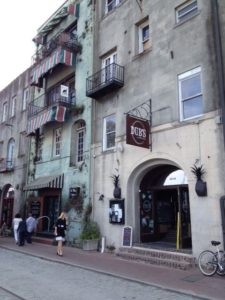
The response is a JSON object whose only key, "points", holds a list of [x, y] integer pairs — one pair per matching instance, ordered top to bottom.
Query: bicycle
{"points": [[210, 262]]}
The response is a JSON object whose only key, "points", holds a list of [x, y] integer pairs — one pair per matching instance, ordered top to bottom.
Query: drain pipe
{"points": [[219, 58], [220, 68], [222, 208]]}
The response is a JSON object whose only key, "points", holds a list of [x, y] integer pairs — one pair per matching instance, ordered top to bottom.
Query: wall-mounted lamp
{"points": [[101, 197]]}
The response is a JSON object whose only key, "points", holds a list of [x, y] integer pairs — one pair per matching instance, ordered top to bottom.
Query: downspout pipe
{"points": [[219, 59], [222, 208]]}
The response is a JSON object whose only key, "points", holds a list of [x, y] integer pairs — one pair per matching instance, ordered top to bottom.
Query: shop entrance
{"points": [[7, 206], [51, 210], [164, 210]]}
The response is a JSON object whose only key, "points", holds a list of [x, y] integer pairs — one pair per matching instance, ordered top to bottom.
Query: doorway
{"points": [[164, 209], [50, 210]]}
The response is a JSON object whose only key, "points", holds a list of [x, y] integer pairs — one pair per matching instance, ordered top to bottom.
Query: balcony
{"points": [[61, 49], [105, 81], [49, 107], [6, 165]]}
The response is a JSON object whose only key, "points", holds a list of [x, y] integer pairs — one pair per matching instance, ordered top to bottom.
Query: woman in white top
{"points": [[17, 219]]}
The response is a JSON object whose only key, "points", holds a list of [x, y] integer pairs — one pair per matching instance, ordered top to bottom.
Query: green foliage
{"points": [[198, 171], [115, 180], [90, 231]]}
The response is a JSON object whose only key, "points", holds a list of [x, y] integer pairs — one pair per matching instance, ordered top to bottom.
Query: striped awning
{"points": [[59, 56], [55, 113], [51, 182]]}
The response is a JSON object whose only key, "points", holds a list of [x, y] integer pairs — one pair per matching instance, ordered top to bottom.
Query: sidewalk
{"points": [[190, 282]]}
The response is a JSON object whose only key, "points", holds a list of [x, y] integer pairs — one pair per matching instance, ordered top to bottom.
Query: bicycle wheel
{"points": [[207, 263], [221, 264]]}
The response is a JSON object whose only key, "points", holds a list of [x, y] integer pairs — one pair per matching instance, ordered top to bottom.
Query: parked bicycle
{"points": [[210, 262]]}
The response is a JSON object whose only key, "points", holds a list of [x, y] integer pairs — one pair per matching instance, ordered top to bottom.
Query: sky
{"points": [[19, 21]]}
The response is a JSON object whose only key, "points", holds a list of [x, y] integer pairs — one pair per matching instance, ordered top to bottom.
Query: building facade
{"points": [[157, 116], [59, 118], [14, 146]]}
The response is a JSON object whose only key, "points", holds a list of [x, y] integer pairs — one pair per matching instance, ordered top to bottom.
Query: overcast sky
{"points": [[19, 21]]}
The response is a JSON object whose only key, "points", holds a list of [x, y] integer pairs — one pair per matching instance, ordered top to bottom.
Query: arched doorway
{"points": [[7, 205], [164, 208]]}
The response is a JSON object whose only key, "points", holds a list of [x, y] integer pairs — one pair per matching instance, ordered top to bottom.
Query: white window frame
{"points": [[111, 5], [189, 9], [143, 43], [108, 71], [181, 78], [25, 98], [13, 108], [4, 111], [106, 133], [80, 140], [57, 142], [10, 154]]}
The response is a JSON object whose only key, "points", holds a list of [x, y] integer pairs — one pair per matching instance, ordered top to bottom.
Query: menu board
{"points": [[127, 236]]}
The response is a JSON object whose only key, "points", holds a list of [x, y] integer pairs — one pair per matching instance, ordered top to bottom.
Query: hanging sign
{"points": [[137, 132]]}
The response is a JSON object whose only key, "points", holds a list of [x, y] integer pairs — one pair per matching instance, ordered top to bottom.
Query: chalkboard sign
{"points": [[127, 236]]}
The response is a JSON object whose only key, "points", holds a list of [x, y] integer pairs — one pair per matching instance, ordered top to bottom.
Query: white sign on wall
{"points": [[64, 92]]}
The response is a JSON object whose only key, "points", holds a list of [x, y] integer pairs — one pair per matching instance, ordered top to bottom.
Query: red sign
{"points": [[137, 132]]}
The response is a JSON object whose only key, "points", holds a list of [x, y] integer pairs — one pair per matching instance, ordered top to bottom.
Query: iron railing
{"points": [[66, 40], [112, 73], [49, 99], [7, 165]]}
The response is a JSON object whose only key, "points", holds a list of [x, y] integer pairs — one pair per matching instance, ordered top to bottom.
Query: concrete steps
{"points": [[43, 240], [181, 261]]}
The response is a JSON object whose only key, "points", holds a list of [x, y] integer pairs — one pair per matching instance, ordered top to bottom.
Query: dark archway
{"points": [[164, 207]]}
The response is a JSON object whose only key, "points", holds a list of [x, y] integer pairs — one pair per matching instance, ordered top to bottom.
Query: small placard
{"points": [[127, 236]]}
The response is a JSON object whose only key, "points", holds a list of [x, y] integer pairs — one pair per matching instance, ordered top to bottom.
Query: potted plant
{"points": [[200, 186], [117, 189], [90, 233]]}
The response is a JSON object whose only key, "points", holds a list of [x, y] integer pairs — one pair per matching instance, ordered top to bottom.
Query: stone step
{"points": [[42, 240], [175, 260]]}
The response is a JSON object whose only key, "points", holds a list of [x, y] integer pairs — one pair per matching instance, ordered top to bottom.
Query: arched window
{"points": [[78, 143], [10, 154]]}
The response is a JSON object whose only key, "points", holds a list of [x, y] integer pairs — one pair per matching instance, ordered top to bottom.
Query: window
{"points": [[111, 4], [186, 10], [143, 37], [108, 71], [190, 94], [25, 98], [13, 108], [5, 112], [109, 132], [57, 141], [77, 142], [80, 142], [22, 143], [39, 147], [1, 149], [10, 154]]}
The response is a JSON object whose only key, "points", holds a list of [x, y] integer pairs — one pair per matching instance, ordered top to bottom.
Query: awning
{"points": [[59, 56], [55, 113], [51, 182]]}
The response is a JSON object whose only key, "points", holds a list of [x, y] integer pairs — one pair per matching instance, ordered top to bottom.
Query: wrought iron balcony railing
{"points": [[68, 41], [106, 80], [49, 99], [6, 165]]}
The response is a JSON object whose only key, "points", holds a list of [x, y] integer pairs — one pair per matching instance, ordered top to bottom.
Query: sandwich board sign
{"points": [[127, 236]]}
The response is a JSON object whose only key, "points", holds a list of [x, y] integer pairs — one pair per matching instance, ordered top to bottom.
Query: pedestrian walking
{"points": [[15, 224], [31, 227], [60, 228], [22, 232]]}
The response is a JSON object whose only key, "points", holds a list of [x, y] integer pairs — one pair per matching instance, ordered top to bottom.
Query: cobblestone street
{"points": [[27, 277]]}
